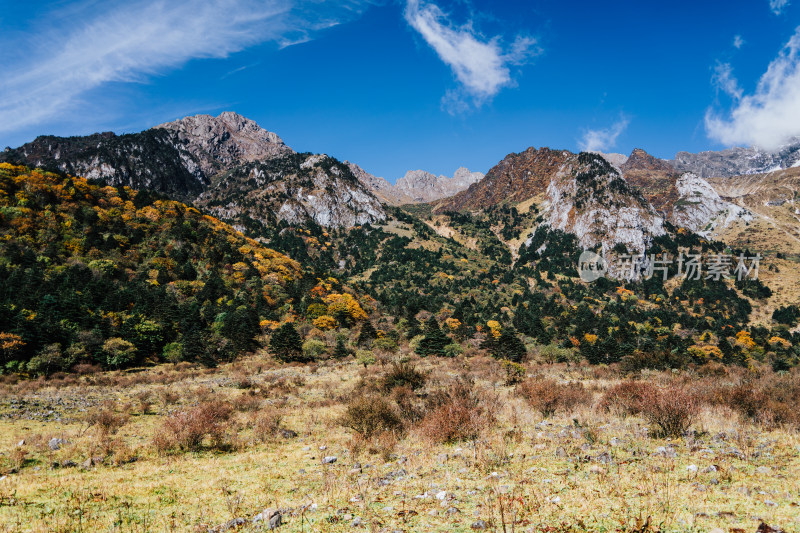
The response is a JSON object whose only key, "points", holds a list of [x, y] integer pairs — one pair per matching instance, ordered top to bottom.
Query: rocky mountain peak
{"points": [[226, 139], [641, 160], [423, 186]]}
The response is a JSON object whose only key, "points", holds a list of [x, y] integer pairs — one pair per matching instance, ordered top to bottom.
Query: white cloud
{"points": [[777, 5], [130, 41], [738, 42], [480, 65], [724, 80], [771, 115], [604, 139]]}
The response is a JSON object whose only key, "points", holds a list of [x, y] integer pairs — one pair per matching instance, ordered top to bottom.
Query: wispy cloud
{"points": [[777, 5], [130, 41], [738, 42], [480, 65], [725, 81], [771, 115], [604, 139]]}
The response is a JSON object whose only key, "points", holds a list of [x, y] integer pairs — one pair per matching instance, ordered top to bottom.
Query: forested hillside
{"points": [[116, 277]]}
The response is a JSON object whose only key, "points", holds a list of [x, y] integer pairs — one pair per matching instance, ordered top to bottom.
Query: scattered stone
{"points": [[287, 433], [614, 441], [21, 443], [55, 444], [323, 448], [561, 452], [668, 452], [442, 457], [604, 458], [330, 459], [68, 464], [692, 469], [709, 469], [763, 470], [441, 495], [554, 499], [770, 503], [452, 510], [433, 512], [273, 518], [480, 524], [764, 528]]}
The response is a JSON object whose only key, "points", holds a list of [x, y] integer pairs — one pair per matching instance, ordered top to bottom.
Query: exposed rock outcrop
{"points": [[738, 161]]}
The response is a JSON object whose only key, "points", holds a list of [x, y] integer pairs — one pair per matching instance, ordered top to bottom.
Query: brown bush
{"points": [[403, 375], [548, 396], [625, 398], [772, 400], [247, 402], [409, 405], [671, 410], [459, 412], [370, 415], [106, 420], [266, 423], [189, 430]]}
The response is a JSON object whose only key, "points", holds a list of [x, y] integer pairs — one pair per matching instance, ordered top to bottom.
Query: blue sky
{"points": [[411, 84]]}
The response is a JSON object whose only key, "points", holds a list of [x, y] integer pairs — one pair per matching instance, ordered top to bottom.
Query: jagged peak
{"points": [[641, 160]]}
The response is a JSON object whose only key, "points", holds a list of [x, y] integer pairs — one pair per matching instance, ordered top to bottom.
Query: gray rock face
{"points": [[225, 140], [738, 161], [227, 164], [417, 186], [423, 186], [295, 188], [381, 188], [589, 198], [701, 209]]}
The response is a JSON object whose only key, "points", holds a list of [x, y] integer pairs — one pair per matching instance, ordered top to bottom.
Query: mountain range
{"points": [[241, 173]]}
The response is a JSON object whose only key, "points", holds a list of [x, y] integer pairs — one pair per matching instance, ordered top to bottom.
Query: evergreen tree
{"points": [[367, 335], [434, 341], [285, 344], [509, 346], [340, 351]]}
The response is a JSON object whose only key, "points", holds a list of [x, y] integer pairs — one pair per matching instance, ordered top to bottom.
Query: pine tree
{"points": [[367, 335], [434, 341], [285, 344], [508, 346], [340, 351]]}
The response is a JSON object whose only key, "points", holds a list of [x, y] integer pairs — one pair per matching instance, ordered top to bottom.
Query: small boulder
{"points": [[328, 460], [480, 524]]}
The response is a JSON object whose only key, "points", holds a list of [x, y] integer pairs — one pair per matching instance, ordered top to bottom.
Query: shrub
{"points": [[385, 344], [313, 349], [453, 350], [119, 352], [172, 352], [365, 357], [515, 372], [403, 375], [548, 396], [626, 398], [671, 410], [458, 412], [370, 414], [106, 420], [207, 423], [267, 423]]}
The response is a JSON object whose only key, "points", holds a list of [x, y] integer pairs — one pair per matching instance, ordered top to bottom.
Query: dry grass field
{"points": [[432, 444]]}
